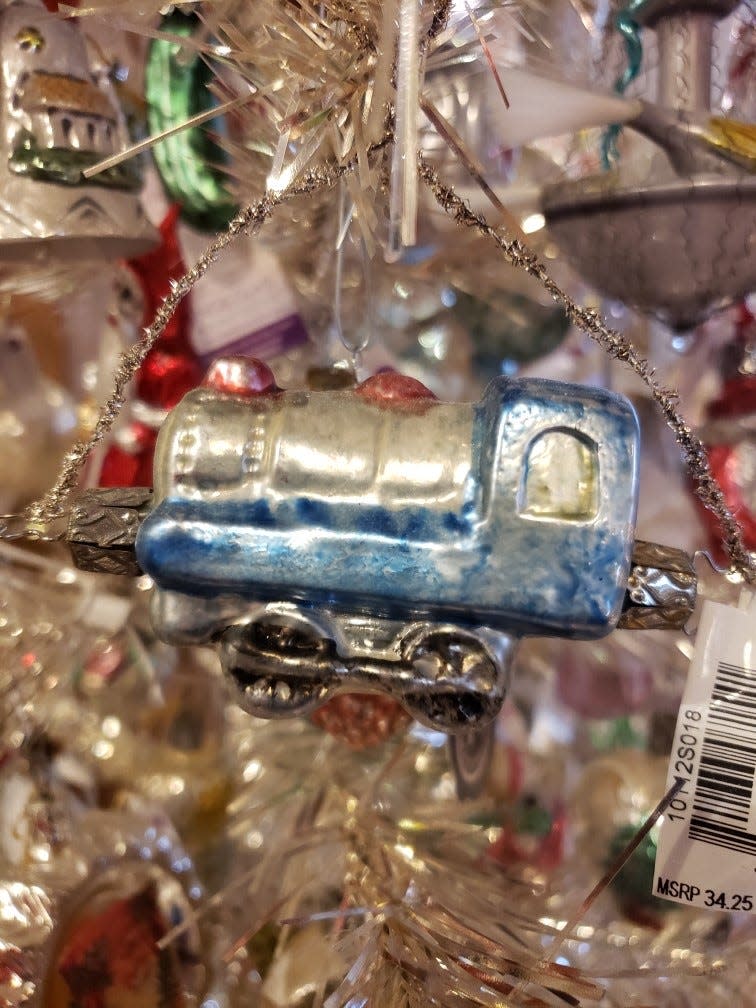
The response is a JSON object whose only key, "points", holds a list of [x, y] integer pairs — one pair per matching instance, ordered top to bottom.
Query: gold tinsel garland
{"points": [[423, 919]]}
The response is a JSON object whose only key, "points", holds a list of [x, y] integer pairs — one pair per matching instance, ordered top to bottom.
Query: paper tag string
{"points": [[569, 929]]}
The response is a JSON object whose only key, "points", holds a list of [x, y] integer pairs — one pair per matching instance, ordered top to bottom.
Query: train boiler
{"points": [[376, 538]]}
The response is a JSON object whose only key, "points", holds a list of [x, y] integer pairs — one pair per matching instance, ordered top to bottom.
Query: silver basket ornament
{"points": [[674, 239]]}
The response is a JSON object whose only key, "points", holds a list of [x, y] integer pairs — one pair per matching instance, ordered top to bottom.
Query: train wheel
{"points": [[289, 641], [281, 669], [459, 680]]}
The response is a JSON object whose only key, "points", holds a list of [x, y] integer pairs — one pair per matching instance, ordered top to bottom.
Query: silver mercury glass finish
{"points": [[678, 240], [326, 542], [661, 589]]}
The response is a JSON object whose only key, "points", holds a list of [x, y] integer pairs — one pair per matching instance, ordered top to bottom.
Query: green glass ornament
{"points": [[176, 89], [509, 327], [634, 886]]}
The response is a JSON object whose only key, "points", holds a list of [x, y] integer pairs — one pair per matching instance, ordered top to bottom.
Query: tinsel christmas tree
{"points": [[160, 846]]}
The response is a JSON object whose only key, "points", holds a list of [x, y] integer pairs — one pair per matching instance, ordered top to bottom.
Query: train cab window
{"points": [[560, 478]]}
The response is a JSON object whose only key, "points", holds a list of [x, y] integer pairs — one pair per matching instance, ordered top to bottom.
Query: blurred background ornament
{"points": [[523, 83], [740, 91], [60, 118], [695, 197], [454, 318], [267, 323], [508, 329], [120, 330], [38, 420], [729, 431], [49, 614], [79, 668], [622, 675], [151, 719], [361, 720], [614, 796], [532, 834], [86, 900]]}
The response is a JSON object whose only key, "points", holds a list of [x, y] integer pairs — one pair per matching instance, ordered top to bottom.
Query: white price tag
{"points": [[243, 304], [706, 854]]}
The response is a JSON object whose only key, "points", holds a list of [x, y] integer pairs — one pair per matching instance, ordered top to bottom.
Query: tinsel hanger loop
{"points": [[250, 219]]}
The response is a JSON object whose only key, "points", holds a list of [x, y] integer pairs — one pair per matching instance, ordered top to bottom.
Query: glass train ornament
{"points": [[378, 539]]}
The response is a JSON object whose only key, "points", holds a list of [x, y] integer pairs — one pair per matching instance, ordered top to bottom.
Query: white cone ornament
{"points": [[542, 107], [58, 118]]}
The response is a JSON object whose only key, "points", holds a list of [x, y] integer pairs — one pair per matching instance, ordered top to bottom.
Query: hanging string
{"points": [[249, 221], [615, 344], [49, 509], [570, 926]]}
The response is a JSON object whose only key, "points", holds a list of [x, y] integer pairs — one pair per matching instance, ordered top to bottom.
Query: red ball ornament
{"points": [[241, 376], [166, 377], [397, 391], [128, 462], [733, 467], [361, 720]]}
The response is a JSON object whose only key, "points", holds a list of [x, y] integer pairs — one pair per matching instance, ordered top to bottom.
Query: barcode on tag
{"points": [[724, 813], [706, 854]]}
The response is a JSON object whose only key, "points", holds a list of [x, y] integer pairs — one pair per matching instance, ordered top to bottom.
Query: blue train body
{"points": [[515, 513]]}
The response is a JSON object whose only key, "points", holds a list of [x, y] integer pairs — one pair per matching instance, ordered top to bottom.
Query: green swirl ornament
{"points": [[176, 89]]}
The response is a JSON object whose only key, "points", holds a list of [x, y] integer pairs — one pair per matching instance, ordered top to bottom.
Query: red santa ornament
{"points": [[169, 371], [729, 433]]}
